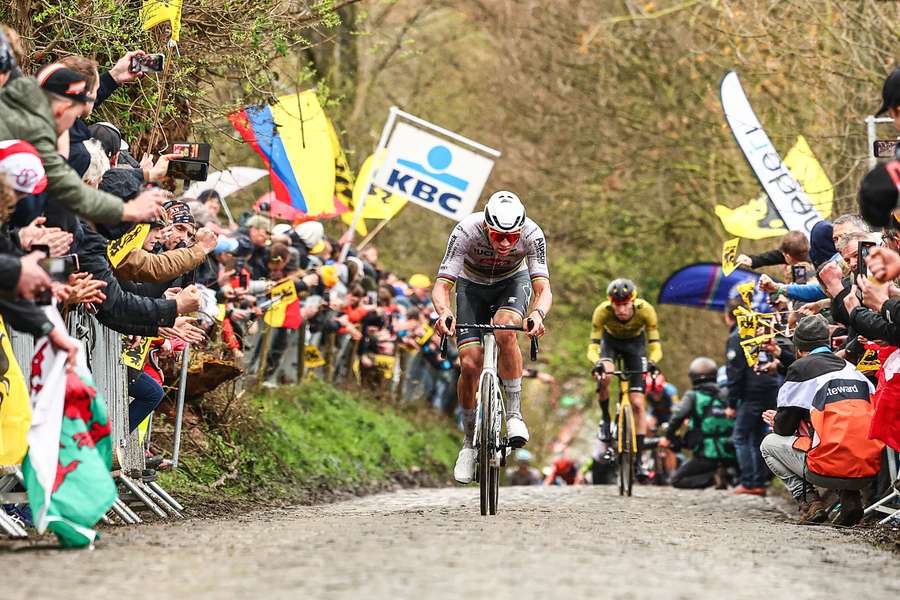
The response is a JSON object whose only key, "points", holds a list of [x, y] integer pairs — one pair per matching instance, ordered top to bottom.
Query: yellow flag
{"points": [[154, 12], [809, 173], [343, 180], [379, 203], [758, 219], [132, 239], [729, 254], [746, 290], [746, 321], [426, 335], [751, 348], [136, 356], [312, 357], [385, 364], [15, 410]]}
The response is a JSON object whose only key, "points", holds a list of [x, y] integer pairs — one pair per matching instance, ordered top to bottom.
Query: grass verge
{"points": [[309, 443]]}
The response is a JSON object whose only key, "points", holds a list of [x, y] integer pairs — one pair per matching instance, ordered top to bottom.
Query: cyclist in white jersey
{"points": [[496, 259]]}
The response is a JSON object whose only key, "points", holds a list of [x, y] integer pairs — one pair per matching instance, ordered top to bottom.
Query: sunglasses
{"points": [[498, 237]]}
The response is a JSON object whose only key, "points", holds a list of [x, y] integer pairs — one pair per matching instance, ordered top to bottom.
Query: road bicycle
{"points": [[626, 435], [491, 444]]}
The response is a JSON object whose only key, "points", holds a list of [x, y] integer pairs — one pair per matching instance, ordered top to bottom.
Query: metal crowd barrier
{"points": [[103, 349]]}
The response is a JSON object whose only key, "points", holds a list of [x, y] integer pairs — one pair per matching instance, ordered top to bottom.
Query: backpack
{"points": [[713, 426]]}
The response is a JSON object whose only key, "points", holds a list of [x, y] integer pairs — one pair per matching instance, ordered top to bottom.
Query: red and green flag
{"points": [[67, 470]]}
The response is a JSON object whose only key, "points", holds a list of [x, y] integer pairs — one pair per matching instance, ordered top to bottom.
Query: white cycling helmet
{"points": [[504, 212]]}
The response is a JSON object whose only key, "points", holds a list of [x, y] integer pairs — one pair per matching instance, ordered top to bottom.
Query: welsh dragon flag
{"points": [[67, 470]]}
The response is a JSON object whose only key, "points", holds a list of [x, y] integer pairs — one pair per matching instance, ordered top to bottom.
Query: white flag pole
{"points": [[357, 213]]}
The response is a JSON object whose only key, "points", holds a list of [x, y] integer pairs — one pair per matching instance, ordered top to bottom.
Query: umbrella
{"points": [[227, 182], [703, 285]]}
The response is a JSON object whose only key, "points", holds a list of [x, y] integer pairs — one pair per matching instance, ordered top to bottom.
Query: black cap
{"points": [[65, 82], [890, 93], [109, 138], [877, 197], [812, 332]]}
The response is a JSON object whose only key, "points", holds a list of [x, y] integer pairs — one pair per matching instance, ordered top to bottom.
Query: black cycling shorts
{"points": [[477, 303], [632, 353]]}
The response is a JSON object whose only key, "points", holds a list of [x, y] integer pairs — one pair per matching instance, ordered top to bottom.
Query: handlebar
{"points": [[491, 327]]}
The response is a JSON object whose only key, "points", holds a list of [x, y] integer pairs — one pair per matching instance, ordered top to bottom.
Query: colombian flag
{"points": [[293, 138]]}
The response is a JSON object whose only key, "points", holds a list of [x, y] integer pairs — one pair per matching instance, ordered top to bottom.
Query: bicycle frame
{"points": [[489, 370], [624, 400]]}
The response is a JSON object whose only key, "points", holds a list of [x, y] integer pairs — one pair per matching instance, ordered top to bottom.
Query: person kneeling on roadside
{"points": [[821, 428], [709, 430]]}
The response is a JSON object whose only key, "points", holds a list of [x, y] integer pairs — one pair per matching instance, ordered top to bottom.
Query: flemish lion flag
{"points": [[154, 12], [729, 255], [284, 313], [15, 411]]}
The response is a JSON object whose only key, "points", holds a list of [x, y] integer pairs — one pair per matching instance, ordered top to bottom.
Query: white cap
{"points": [[281, 229], [310, 232]]}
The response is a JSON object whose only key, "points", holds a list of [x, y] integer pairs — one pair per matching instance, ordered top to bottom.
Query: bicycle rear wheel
{"points": [[625, 438], [485, 446]]}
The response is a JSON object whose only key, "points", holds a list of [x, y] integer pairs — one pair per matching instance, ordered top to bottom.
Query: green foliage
{"points": [[314, 436]]}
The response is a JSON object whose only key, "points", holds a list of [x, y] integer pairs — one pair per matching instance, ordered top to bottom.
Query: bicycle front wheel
{"points": [[485, 447], [627, 450]]}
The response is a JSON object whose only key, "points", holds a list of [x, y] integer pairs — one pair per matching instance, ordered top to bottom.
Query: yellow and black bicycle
{"points": [[626, 434]]}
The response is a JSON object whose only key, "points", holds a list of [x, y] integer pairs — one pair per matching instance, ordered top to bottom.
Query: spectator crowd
{"points": [[89, 229], [806, 392]]}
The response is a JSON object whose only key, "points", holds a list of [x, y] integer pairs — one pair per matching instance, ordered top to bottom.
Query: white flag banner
{"points": [[433, 172], [787, 195], [47, 383]]}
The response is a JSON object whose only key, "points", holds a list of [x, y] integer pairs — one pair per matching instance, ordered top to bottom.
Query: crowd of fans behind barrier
{"points": [[88, 227]]}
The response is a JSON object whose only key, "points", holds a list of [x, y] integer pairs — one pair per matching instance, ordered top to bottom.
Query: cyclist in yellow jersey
{"points": [[623, 326]]}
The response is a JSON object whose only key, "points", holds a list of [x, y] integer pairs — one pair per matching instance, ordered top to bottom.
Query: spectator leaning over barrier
{"points": [[101, 88], [38, 111], [22, 173], [877, 205], [255, 234], [793, 249], [750, 393], [821, 428], [709, 429]]}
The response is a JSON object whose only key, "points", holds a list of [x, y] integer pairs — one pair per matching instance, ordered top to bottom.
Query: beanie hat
{"points": [[109, 137], [23, 166], [179, 212], [310, 233], [821, 246], [812, 332]]}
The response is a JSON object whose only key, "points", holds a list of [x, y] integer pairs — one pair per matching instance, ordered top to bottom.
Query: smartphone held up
{"points": [[147, 63], [193, 164]]}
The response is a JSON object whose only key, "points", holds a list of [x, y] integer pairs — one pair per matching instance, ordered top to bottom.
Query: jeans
{"points": [[146, 394], [749, 431], [788, 463]]}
